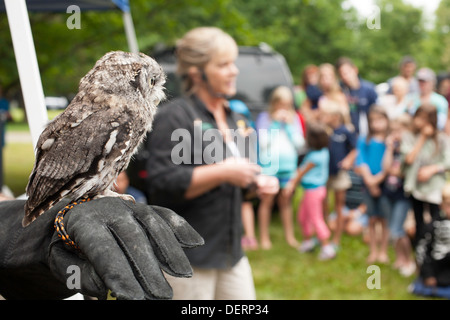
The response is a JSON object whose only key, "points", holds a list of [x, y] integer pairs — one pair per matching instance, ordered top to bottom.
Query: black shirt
{"points": [[176, 147], [433, 251]]}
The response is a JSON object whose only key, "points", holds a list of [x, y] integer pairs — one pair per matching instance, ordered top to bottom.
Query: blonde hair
{"points": [[196, 49], [401, 83], [335, 90], [278, 94], [333, 107], [404, 120]]}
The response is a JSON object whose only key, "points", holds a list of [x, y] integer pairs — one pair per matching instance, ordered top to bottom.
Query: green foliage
{"points": [[401, 29], [304, 31], [436, 46]]}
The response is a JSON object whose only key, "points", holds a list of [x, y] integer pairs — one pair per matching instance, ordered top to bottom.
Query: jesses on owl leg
{"points": [[110, 193]]}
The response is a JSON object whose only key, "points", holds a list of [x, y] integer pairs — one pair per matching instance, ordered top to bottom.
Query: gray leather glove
{"points": [[123, 248]]}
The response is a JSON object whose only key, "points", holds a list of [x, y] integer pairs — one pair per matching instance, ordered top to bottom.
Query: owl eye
{"points": [[152, 82]]}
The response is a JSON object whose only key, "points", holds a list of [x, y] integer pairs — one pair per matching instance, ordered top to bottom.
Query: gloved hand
{"points": [[123, 247]]}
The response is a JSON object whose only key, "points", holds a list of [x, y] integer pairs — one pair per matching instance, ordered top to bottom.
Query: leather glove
{"points": [[123, 247]]}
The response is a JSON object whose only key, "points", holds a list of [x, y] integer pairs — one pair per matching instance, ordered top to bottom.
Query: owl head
{"points": [[131, 76]]}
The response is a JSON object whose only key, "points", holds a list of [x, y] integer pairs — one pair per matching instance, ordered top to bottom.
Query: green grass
{"points": [[18, 160], [281, 273]]}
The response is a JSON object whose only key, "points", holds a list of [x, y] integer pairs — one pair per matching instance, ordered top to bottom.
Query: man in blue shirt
{"points": [[360, 93]]}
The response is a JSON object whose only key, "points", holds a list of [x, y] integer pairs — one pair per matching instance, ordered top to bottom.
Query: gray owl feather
{"points": [[82, 151]]}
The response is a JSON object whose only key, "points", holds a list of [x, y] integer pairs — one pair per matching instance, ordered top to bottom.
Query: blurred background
{"points": [[303, 31]]}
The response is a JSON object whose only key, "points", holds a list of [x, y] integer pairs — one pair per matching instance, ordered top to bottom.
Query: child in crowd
{"points": [[309, 82], [342, 144], [370, 151], [426, 156], [278, 157], [313, 176], [398, 203], [354, 212], [433, 253]]}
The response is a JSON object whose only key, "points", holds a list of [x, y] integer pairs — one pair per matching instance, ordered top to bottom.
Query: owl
{"points": [[81, 152]]}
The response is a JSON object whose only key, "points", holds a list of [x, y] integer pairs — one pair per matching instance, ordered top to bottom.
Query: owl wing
{"points": [[71, 151]]}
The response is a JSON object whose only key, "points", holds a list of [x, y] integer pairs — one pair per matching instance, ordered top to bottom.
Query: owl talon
{"points": [[109, 193], [127, 197]]}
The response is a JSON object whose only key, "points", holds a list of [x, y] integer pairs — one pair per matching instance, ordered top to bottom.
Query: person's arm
{"points": [[426, 132], [411, 156], [388, 157], [349, 160], [442, 164], [302, 171], [364, 171], [238, 172], [426, 172], [204, 178], [293, 183]]}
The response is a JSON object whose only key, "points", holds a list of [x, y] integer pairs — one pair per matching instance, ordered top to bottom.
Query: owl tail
{"points": [[32, 213], [27, 220]]}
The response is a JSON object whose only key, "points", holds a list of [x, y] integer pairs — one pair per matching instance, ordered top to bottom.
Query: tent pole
{"points": [[129, 31], [27, 64]]}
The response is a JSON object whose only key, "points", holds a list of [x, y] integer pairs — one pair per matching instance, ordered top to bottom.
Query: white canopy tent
{"points": [[24, 50]]}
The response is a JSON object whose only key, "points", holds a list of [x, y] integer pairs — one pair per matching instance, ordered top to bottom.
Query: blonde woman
{"points": [[332, 94], [279, 148], [206, 187]]}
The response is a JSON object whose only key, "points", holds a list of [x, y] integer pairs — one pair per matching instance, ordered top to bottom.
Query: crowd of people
{"points": [[377, 156], [382, 156]]}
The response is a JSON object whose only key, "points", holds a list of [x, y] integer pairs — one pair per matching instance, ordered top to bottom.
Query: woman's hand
{"points": [[239, 171], [267, 185]]}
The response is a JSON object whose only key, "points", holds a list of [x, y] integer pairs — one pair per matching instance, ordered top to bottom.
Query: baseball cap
{"points": [[426, 74]]}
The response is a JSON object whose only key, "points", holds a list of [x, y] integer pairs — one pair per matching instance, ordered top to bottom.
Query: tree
{"points": [[303, 31], [400, 33], [436, 46], [65, 55]]}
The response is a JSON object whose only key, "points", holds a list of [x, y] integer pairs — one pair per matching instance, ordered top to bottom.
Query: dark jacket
{"points": [[175, 148], [434, 252]]}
